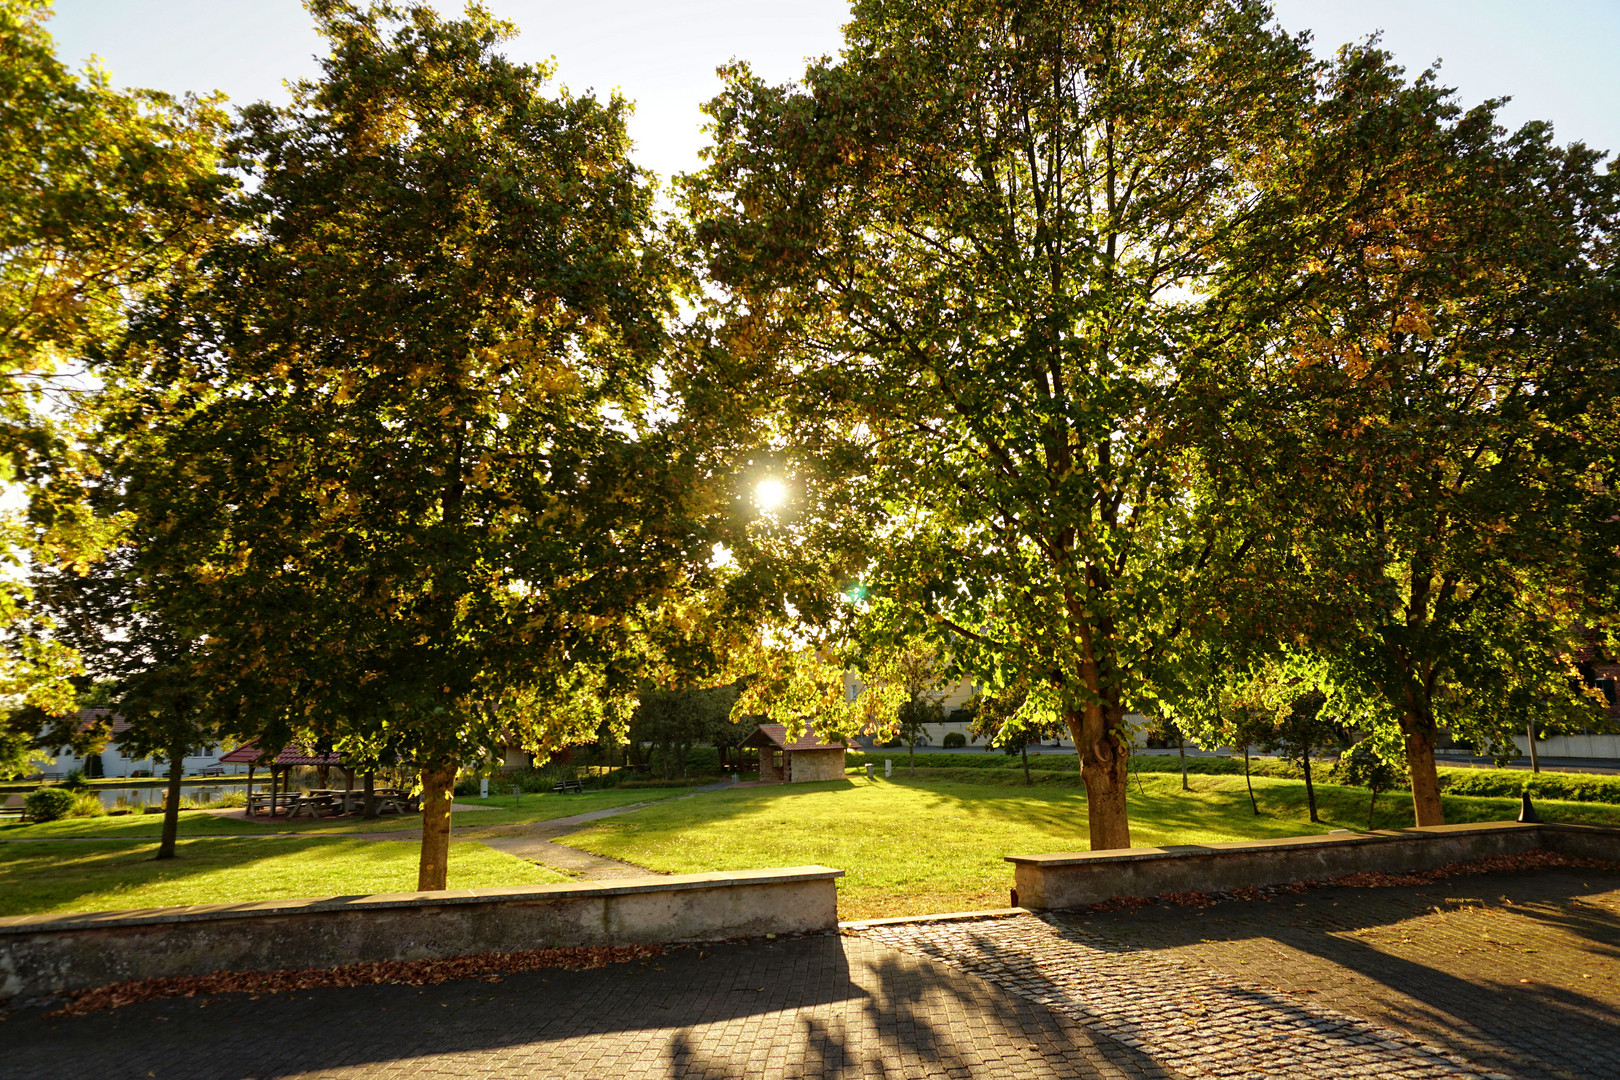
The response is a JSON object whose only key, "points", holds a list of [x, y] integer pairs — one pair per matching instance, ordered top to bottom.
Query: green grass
{"points": [[501, 811], [936, 843], [90, 876]]}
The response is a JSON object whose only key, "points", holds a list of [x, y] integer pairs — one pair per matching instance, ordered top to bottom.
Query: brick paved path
{"points": [[1514, 975], [1333, 983], [821, 1006]]}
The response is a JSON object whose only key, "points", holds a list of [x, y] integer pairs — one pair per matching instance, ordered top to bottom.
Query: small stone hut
{"points": [[799, 761]]}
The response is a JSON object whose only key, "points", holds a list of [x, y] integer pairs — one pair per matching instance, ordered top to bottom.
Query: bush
{"points": [[955, 739], [74, 780], [1508, 783], [48, 804], [87, 804]]}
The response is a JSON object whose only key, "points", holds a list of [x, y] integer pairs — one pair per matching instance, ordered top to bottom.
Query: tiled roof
{"points": [[774, 736], [250, 754]]}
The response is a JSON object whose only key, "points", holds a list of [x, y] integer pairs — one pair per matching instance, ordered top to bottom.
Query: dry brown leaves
{"points": [[1536, 859], [488, 966]]}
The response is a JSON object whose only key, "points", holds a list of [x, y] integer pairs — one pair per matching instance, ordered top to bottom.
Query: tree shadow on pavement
{"points": [[820, 1005]]}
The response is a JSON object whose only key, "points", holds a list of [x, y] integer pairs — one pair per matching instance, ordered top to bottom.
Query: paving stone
{"points": [[1403, 982]]}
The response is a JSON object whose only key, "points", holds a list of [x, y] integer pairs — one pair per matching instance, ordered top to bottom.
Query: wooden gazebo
{"points": [[281, 762]]}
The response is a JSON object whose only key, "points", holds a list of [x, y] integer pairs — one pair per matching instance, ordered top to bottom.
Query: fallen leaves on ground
{"points": [[488, 966]]}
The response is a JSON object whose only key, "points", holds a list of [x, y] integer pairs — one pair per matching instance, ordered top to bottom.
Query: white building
{"points": [[113, 761]]}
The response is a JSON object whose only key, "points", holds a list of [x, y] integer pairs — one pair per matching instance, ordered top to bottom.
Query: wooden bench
{"points": [[577, 786]]}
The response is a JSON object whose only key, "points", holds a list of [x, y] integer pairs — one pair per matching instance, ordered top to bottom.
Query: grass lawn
{"points": [[501, 811], [936, 843], [112, 875]]}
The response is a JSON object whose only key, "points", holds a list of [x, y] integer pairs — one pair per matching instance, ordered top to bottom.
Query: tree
{"points": [[103, 194], [986, 258], [1450, 385], [402, 429], [118, 623], [916, 675], [1005, 719], [677, 720], [1300, 732], [1371, 766]]}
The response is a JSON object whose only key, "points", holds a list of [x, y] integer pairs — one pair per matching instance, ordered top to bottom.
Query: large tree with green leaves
{"points": [[103, 194], [992, 254], [402, 430], [1440, 471]]}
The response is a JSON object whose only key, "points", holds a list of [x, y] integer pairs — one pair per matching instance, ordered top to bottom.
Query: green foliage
{"points": [[104, 194], [675, 721], [954, 740], [1508, 783], [48, 804]]}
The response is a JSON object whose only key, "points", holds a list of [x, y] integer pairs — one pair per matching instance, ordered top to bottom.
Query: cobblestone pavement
{"points": [[1512, 975], [1515, 975], [811, 1007]]}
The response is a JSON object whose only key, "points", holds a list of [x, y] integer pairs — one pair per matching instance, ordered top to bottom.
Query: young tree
{"points": [[982, 255], [403, 428], [119, 624], [1004, 719], [1371, 766]]}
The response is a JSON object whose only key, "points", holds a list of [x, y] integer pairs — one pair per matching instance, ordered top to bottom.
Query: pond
{"points": [[137, 797]]}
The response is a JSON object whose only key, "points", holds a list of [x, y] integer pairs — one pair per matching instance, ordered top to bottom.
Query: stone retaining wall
{"points": [[1075, 879], [55, 954]]}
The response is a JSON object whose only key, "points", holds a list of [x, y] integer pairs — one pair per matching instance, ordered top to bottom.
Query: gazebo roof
{"points": [[774, 737], [250, 754]]}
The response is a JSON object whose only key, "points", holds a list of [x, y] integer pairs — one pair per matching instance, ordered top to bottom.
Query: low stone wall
{"points": [[1074, 879], [55, 954]]}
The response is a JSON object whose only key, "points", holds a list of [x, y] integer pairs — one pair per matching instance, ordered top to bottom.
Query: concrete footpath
{"points": [[1505, 975]]}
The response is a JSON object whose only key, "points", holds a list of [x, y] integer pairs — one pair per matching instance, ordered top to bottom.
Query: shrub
{"points": [[955, 739], [74, 780], [1507, 783], [48, 804], [87, 804]]}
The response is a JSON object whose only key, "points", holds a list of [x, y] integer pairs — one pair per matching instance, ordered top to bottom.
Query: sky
{"points": [[1555, 58]]}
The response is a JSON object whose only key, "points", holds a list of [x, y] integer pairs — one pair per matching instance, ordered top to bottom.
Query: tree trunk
{"points": [[1419, 740], [1530, 740], [1181, 748], [1025, 751], [911, 759], [1104, 767], [438, 779], [1247, 779], [1310, 791], [171, 802], [369, 807], [1370, 807]]}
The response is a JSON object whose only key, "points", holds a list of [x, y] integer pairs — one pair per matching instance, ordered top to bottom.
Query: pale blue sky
{"points": [[1558, 59]]}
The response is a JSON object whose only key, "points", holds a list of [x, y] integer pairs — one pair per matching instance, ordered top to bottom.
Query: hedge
{"points": [[1507, 783], [48, 804]]}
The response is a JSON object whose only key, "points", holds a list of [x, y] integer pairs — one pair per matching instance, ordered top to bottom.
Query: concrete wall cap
{"points": [[1279, 843], [105, 920]]}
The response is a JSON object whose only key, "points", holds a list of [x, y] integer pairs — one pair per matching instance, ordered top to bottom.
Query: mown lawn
{"points": [[496, 810], [936, 843], [38, 878]]}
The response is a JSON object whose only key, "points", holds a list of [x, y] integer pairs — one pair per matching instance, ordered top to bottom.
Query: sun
{"points": [[769, 495]]}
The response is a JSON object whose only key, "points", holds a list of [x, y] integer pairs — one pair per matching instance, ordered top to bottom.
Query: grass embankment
{"points": [[496, 810], [937, 842], [110, 876]]}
